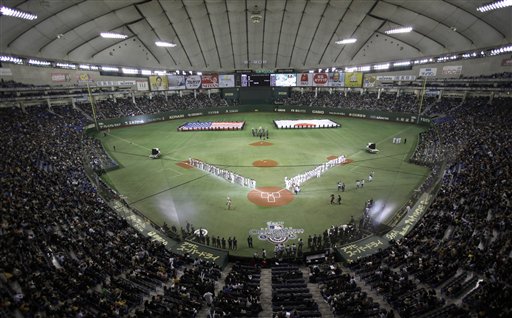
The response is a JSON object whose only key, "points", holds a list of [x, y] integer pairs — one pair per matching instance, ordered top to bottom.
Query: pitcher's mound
{"points": [[261, 143], [265, 163], [270, 196]]}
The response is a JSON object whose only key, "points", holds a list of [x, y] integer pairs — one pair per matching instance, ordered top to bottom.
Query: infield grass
{"points": [[169, 193]]}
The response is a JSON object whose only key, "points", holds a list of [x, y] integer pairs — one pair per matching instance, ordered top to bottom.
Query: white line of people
{"points": [[223, 173], [293, 184]]}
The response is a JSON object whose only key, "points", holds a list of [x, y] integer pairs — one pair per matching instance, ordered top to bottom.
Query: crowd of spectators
{"points": [[158, 103], [466, 228], [65, 252]]}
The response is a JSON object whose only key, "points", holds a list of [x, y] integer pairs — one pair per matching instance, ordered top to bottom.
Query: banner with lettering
{"points": [[452, 70], [428, 72], [60, 77], [304, 79], [320, 79], [210, 81], [193, 82], [142, 86]]}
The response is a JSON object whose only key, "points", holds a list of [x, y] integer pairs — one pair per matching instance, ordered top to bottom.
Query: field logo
{"points": [[270, 196], [276, 233]]}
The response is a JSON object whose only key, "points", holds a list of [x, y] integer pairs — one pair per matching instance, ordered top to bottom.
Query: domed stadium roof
{"points": [[217, 35]]}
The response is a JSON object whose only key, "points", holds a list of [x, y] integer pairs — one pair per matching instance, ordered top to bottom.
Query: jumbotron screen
{"points": [[259, 79], [283, 80]]}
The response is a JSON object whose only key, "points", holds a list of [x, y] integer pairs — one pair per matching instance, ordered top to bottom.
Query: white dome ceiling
{"points": [[219, 35]]}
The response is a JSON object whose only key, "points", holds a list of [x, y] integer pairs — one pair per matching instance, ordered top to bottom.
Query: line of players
{"points": [[260, 132], [223, 173], [298, 180], [341, 187]]}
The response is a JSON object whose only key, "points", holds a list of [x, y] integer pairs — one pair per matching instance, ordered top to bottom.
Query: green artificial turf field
{"points": [[166, 192]]}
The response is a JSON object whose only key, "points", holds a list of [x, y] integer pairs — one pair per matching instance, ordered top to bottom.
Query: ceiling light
{"points": [[495, 5], [17, 13], [399, 30], [110, 35], [346, 41], [164, 44], [11, 59], [38, 62], [405, 63], [66, 65], [381, 66], [84, 67], [94, 68], [365, 68], [109, 69], [333, 69], [351, 69], [129, 71], [145, 72], [160, 72], [199, 73]]}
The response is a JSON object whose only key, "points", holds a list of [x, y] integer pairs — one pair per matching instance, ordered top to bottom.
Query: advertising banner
{"points": [[506, 62], [452, 70], [5, 71], [428, 72], [60, 77], [406, 77], [84, 78], [304, 79], [320, 79], [337, 79], [354, 79], [227, 80], [210, 81], [370, 81], [176, 82], [193, 82], [158, 83], [142, 86]]}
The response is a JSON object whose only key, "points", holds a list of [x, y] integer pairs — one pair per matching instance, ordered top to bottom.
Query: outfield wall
{"points": [[377, 115]]}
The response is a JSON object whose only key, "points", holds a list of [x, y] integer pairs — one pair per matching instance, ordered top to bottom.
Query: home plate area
{"points": [[270, 196]]}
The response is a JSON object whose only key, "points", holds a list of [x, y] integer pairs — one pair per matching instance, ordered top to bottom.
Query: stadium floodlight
{"points": [[495, 5], [15, 13], [399, 30], [111, 35], [346, 41], [165, 44], [501, 50], [11, 59], [38, 62], [404, 63], [66, 65], [381, 66], [84, 67], [94, 68], [365, 68], [109, 69], [333, 69], [351, 69], [319, 70], [129, 71], [311, 71], [145, 72], [160, 72], [190, 72], [184, 73], [199, 73]]}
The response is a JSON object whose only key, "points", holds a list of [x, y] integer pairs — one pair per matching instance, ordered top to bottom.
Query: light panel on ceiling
{"points": [[495, 5], [15, 13]]}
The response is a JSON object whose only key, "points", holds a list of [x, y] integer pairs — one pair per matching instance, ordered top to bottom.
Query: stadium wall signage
{"points": [[145, 119], [276, 233]]}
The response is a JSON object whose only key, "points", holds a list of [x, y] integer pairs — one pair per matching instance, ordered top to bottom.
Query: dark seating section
{"points": [[290, 293], [342, 294], [240, 296], [184, 297]]}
